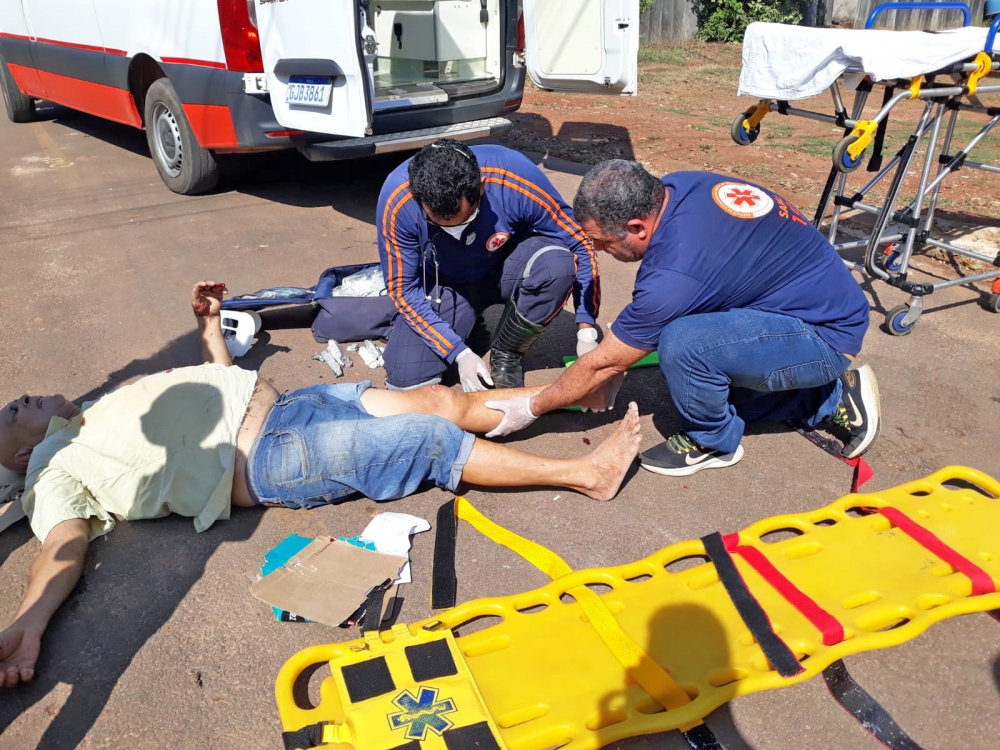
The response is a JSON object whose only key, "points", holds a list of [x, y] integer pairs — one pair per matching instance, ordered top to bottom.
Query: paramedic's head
{"points": [[445, 180], [618, 206], [23, 424]]}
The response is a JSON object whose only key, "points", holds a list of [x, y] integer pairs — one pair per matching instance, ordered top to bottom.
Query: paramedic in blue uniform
{"points": [[461, 229], [754, 315]]}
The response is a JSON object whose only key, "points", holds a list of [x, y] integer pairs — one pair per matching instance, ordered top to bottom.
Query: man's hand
{"points": [[206, 299], [470, 369], [604, 399], [516, 415], [18, 653]]}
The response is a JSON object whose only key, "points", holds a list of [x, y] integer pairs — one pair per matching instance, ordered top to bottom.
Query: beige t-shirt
{"points": [[164, 444]]}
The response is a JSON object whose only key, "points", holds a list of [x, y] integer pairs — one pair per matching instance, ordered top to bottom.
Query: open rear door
{"points": [[587, 46], [315, 59]]}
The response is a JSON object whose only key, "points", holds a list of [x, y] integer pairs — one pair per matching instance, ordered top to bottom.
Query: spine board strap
{"points": [[981, 581], [749, 609], [639, 665], [870, 714]]}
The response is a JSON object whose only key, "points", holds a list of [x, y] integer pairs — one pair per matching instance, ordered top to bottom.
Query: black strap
{"points": [[875, 163], [444, 581], [995, 614], [754, 617], [372, 619], [859, 704], [305, 738], [701, 738]]}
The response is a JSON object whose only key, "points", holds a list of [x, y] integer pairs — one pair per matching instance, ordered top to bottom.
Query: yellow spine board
{"points": [[548, 680]]}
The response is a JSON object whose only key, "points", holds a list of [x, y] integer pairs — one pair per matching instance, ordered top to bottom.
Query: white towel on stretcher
{"points": [[796, 62]]}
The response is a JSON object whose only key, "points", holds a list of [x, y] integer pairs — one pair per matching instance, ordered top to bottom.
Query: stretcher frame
{"points": [[898, 231]]}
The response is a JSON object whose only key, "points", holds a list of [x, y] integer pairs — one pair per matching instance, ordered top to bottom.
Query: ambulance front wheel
{"points": [[20, 108], [740, 134], [842, 161], [184, 166]]}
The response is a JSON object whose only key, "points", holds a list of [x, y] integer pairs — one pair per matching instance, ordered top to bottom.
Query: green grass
{"points": [[662, 55], [720, 71], [674, 111], [719, 122], [699, 127], [705, 146], [816, 146]]}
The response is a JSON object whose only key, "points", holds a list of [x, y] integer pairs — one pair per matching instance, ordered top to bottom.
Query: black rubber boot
{"points": [[513, 338]]}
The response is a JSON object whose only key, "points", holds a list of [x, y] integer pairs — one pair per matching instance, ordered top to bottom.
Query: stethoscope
{"points": [[432, 248]]}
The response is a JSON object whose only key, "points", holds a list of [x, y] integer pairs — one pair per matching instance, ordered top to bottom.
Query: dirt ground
{"points": [[682, 119], [163, 646]]}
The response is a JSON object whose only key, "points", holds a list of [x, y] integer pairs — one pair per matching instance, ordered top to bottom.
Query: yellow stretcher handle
{"points": [[984, 64], [638, 664], [292, 716]]}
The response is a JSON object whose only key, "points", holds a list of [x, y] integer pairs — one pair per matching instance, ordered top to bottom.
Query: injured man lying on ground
{"points": [[197, 440]]}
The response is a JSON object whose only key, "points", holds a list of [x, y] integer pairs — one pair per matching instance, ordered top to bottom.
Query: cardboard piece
{"points": [[327, 581]]}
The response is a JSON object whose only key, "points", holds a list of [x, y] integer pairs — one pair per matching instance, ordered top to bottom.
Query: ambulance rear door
{"points": [[586, 46], [317, 59]]}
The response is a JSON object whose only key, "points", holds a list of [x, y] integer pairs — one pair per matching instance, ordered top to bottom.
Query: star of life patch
{"points": [[741, 200], [497, 241]]}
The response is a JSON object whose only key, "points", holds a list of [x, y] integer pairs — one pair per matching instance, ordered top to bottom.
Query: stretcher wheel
{"points": [[740, 136], [842, 160], [890, 261], [993, 303], [894, 321]]}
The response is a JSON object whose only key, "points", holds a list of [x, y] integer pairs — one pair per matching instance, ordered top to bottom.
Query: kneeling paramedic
{"points": [[461, 229], [754, 315]]}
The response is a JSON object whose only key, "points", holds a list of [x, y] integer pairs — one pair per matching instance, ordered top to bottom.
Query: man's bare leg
{"points": [[467, 410], [598, 474]]}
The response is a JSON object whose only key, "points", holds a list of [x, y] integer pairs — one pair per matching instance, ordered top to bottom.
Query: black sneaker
{"points": [[858, 413], [680, 456]]}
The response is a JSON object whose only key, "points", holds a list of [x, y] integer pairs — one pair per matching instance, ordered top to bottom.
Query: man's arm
{"points": [[402, 260], [206, 301], [589, 373], [54, 574]]}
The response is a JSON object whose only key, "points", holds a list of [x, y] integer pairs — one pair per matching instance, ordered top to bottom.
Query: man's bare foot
{"points": [[613, 457]]}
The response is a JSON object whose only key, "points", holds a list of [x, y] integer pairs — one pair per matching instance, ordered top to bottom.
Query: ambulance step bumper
{"points": [[349, 148]]}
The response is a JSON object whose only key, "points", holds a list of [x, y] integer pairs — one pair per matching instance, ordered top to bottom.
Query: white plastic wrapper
{"points": [[368, 283]]}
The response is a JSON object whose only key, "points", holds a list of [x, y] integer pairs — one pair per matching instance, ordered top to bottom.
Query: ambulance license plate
{"points": [[308, 91]]}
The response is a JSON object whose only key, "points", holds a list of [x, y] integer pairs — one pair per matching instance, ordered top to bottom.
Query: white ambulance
{"points": [[333, 78]]}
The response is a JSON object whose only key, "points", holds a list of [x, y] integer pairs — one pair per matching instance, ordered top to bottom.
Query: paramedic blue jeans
{"points": [[539, 274], [728, 368], [319, 445]]}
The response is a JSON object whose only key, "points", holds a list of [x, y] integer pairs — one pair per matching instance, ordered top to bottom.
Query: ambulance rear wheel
{"points": [[20, 108], [740, 135], [842, 161], [184, 166]]}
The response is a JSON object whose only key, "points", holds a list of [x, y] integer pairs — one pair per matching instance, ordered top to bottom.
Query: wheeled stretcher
{"points": [[952, 72], [599, 655]]}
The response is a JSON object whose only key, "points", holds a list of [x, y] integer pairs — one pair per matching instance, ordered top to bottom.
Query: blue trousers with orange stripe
{"points": [[538, 275]]}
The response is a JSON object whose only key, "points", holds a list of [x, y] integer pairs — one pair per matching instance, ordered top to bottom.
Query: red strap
{"points": [[862, 471], [981, 581], [833, 631]]}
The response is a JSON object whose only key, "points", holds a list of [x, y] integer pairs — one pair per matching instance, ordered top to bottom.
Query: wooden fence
{"points": [[675, 21]]}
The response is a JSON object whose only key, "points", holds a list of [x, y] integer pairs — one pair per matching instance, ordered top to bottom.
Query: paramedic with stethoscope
{"points": [[461, 229]]}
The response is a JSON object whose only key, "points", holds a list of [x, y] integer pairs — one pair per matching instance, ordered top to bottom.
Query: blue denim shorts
{"points": [[319, 446]]}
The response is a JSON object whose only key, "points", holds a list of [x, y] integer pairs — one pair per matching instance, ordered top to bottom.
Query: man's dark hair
{"points": [[443, 173], [615, 192]]}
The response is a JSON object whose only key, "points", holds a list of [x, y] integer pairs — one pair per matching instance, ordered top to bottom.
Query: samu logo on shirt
{"points": [[741, 200]]}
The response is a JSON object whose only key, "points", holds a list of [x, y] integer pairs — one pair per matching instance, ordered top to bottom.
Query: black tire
{"points": [[20, 108], [739, 135], [842, 161], [184, 166], [993, 303], [893, 321]]}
